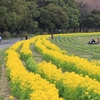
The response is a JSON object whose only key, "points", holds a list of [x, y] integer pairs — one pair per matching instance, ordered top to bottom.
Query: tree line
{"points": [[46, 15]]}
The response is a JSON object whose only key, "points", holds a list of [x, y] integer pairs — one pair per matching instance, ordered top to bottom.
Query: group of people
{"points": [[93, 41]]}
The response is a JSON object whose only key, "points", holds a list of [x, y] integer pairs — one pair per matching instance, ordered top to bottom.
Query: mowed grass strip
{"points": [[78, 45], [2, 55]]}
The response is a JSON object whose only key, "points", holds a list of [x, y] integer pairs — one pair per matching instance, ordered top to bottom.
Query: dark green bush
{"points": [[6, 34]]}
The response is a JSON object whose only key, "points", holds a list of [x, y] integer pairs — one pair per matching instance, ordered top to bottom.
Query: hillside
{"points": [[91, 4]]}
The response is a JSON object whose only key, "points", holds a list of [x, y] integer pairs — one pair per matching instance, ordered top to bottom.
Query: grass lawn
{"points": [[78, 45], [2, 55]]}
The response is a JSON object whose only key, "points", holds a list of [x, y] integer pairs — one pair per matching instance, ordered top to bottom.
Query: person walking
{"points": [[26, 37]]}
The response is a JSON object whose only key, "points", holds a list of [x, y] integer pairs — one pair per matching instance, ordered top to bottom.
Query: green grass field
{"points": [[78, 45]]}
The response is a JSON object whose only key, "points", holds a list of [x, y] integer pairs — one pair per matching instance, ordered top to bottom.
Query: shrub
{"points": [[23, 33], [6, 34]]}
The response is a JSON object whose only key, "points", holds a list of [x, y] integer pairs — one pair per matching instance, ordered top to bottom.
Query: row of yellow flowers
{"points": [[46, 44], [16, 46], [51, 46], [43, 47], [25, 51], [69, 63], [27, 85], [71, 85]]}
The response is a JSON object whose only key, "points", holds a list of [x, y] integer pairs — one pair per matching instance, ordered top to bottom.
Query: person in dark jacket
{"points": [[26, 37]]}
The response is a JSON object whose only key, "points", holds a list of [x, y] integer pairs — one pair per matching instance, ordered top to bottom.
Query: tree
{"points": [[83, 9], [73, 13], [13, 14], [53, 17], [2, 18], [92, 20], [32, 23]]}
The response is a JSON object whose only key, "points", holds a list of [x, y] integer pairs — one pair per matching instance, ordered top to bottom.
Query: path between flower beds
{"points": [[36, 56], [4, 85]]}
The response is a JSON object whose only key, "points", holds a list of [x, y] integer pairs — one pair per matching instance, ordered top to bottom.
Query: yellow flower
{"points": [[86, 93], [11, 97]]}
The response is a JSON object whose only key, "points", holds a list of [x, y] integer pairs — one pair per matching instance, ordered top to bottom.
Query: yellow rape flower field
{"points": [[60, 74]]}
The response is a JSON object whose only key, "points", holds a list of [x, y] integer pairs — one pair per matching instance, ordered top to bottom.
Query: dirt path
{"points": [[36, 56], [4, 85]]}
